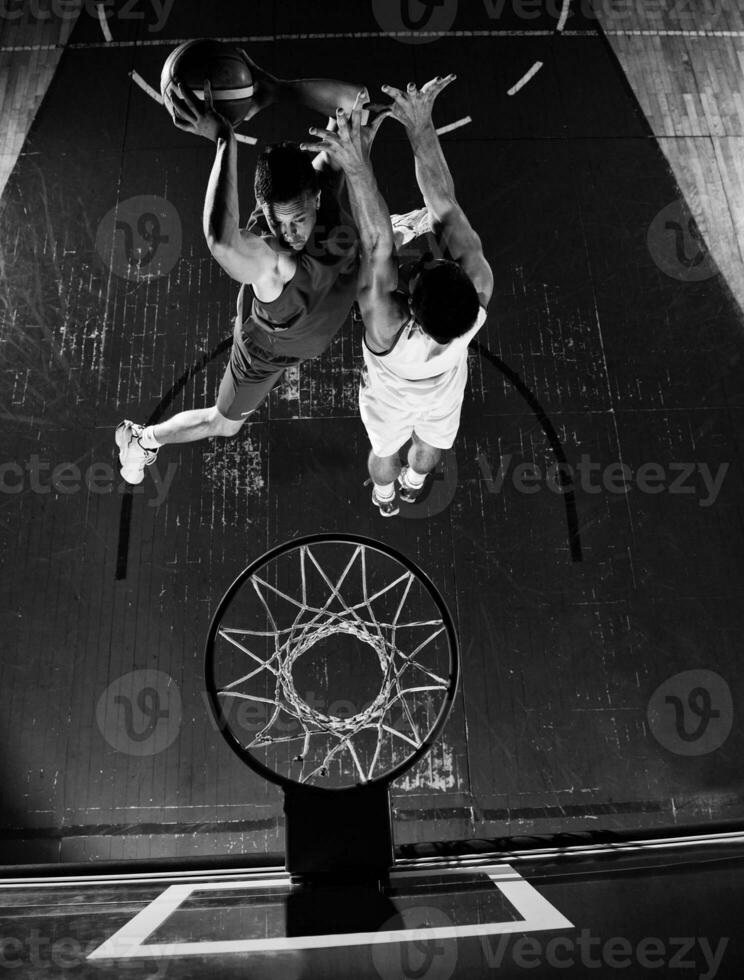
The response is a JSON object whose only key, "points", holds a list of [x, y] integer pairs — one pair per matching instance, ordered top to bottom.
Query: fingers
{"points": [[436, 85], [433, 87], [394, 93], [185, 95], [208, 100], [180, 109], [375, 110], [358, 114], [342, 122], [375, 123], [324, 134], [313, 147]]}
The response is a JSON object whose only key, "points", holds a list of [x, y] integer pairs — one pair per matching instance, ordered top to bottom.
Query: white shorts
{"points": [[393, 409]]}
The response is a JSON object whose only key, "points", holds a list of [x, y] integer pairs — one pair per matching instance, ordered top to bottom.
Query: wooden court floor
{"points": [[599, 628]]}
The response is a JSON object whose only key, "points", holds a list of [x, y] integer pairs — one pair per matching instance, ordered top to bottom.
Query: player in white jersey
{"points": [[416, 339]]}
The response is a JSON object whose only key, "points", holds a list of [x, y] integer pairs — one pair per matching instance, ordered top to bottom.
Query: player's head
{"points": [[286, 186], [443, 300]]}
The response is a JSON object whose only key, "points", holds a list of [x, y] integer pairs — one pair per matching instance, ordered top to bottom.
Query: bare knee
{"points": [[221, 426], [423, 457], [383, 469]]}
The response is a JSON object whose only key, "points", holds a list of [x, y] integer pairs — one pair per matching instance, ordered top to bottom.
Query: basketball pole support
{"points": [[338, 835]]}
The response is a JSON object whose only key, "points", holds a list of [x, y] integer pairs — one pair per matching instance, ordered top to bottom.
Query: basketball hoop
{"points": [[279, 611], [307, 613]]}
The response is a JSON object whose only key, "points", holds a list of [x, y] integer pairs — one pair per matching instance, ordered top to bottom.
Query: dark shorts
{"points": [[249, 377]]}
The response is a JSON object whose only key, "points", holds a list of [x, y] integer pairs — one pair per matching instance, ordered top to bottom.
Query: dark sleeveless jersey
{"points": [[313, 306]]}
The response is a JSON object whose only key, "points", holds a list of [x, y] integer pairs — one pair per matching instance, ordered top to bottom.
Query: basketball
{"points": [[223, 65]]}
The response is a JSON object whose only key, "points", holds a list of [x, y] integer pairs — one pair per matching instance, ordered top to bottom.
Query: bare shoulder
{"points": [[246, 258], [274, 275], [384, 314]]}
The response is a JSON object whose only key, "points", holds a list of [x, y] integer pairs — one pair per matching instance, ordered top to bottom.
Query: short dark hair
{"points": [[284, 173], [444, 301]]}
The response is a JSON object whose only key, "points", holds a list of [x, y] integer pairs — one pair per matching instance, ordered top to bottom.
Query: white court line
{"points": [[564, 16], [104, 23], [266, 39], [87, 45], [525, 78], [147, 89], [455, 125], [577, 850], [402, 866], [268, 874], [537, 914]]}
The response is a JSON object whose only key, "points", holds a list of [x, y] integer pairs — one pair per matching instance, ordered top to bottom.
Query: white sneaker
{"points": [[132, 454], [406, 492], [388, 507]]}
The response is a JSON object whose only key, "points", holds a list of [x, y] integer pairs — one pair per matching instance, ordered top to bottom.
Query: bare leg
{"points": [[199, 423], [138, 445], [422, 457], [383, 469]]}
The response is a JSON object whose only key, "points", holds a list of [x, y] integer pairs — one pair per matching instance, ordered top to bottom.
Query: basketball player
{"points": [[297, 262], [416, 338]]}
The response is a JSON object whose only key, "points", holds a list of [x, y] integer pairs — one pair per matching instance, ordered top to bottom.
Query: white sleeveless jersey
{"points": [[415, 356], [416, 386]]}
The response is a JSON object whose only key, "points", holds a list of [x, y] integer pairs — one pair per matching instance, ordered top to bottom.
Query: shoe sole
{"points": [[120, 439]]}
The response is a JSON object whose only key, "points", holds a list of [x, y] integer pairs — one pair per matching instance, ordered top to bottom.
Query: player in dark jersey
{"points": [[297, 261]]}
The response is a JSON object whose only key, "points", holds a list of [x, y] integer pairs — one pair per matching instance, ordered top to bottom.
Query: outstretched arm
{"points": [[323, 95], [413, 110], [349, 147], [243, 256]]}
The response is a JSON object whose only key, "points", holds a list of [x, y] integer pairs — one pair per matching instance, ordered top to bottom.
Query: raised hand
{"points": [[413, 107], [191, 117], [349, 147]]}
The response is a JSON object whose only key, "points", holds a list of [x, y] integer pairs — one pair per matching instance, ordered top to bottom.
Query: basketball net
{"points": [[396, 716]]}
